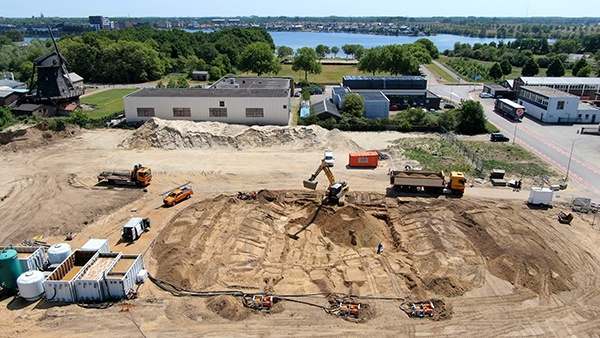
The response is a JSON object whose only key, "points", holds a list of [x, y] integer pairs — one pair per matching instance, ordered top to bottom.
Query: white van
{"points": [[329, 159]]}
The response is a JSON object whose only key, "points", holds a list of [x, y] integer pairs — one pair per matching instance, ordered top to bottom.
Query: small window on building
{"points": [[221, 103], [560, 105], [285, 106], [145, 112], [182, 112], [217, 112], [255, 112], [579, 116], [587, 116], [363, 160]]}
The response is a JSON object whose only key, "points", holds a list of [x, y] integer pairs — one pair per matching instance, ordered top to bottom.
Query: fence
{"points": [[474, 160]]}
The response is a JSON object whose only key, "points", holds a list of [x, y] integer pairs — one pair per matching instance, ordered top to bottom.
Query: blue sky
{"points": [[233, 8]]}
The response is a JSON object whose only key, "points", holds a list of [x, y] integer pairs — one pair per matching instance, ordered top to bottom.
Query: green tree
{"points": [[14, 35], [544, 46], [431, 48], [335, 50], [284, 51], [322, 51], [259, 58], [306, 60], [372, 62], [578, 65], [506, 67], [530, 68], [555, 68], [496, 71], [584, 71], [182, 82], [160, 84], [353, 105], [5, 116], [80, 118], [471, 118], [448, 120]]}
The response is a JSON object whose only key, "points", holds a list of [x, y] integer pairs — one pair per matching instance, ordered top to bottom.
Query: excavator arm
{"points": [[312, 184]]}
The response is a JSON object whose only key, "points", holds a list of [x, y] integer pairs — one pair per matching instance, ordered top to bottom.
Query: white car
{"points": [[328, 157]]}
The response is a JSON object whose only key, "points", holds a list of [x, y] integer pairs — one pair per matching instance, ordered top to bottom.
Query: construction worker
{"points": [[379, 249]]}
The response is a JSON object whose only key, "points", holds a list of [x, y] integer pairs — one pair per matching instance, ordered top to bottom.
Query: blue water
{"points": [[312, 39]]}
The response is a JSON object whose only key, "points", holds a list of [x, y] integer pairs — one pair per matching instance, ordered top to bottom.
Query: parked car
{"points": [[486, 95], [449, 106], [393, 107], [498, 137], [328, 157]]}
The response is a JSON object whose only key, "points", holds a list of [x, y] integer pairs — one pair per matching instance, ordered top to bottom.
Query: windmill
{"points": [[51, 83]]}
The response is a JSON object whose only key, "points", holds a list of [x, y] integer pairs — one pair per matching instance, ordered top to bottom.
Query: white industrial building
{"points": [[584, 87], [243, 100], [554, 106]]}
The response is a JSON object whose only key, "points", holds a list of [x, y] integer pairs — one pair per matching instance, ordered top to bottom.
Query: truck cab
{"points": [[457, 182]]}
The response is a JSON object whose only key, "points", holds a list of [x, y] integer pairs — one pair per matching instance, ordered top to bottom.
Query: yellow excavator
{"points": [[336, 191]]}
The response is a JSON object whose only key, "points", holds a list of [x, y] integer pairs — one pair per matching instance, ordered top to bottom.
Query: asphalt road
{"points": [[574, 154]]}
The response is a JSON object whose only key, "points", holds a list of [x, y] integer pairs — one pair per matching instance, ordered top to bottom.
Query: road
{"points": [[560, 145]]}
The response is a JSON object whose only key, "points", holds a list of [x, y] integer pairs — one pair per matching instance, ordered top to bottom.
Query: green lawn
{"points": [[439, 72], [331, 74], [106, 102]]}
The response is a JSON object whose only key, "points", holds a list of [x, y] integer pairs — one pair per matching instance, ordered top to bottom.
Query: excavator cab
{"points": [[335, 191]]}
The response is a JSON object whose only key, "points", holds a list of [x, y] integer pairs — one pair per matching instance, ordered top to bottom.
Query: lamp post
{"points": [[515, 134], [570, 156]]}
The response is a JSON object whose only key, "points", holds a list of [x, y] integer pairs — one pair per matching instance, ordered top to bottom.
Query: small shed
{"points": [[200, 75], [326, 110], [363, 159]]}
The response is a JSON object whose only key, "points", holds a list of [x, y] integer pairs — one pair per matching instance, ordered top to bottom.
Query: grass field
{"points": [[439, 72], [106, 102]]}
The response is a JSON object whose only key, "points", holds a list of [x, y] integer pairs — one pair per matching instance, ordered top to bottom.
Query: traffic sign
{"points": [[520, 112]]}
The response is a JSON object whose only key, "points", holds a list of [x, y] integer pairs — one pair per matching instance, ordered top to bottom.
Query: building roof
{"points": [[200, 72], [74, 77], [362, 77], [548, 81], [249, 82], [10, 83], [495, 86], [201, 92], [548, 92], [5, 93], [372, 95], [326, 106], [587, 106], [27, 107]]}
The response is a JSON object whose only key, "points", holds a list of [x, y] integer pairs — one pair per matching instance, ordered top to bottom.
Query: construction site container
{"points": [[363, 159], [540, 196], [100, 245], [58, 253], [31, 257], [10, 269], [121, 279], [31, 285], [91, 285], [59, 286]]}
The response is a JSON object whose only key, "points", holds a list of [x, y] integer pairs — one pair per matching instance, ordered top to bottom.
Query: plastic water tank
{"points": [[58, 253], [10, 268], [31, 285]]}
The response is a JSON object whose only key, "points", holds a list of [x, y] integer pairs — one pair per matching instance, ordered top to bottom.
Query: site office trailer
{"points": [[363, 159]]}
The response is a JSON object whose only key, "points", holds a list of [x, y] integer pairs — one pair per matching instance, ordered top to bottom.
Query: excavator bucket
{"points": [[310, 184]]}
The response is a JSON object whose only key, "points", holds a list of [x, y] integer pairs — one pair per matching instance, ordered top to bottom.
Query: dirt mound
{"points": [[168, 134], [25, 137], [433, 247], [228, 307]]}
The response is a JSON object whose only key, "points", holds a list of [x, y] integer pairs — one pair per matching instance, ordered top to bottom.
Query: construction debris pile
{"points": [[168, 134]]}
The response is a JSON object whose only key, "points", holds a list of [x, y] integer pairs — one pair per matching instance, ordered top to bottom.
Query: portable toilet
{"points": [[10, 268]]}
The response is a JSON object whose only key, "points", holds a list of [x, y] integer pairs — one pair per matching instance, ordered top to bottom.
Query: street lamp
{"points": [[515, 134], [570, 156]]}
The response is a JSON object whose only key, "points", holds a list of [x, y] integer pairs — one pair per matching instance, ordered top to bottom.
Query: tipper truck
{"points": [[139, 176], [432, 182]]}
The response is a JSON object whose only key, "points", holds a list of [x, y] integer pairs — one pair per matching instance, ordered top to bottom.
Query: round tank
{"points": [[58, 253], [10, 269], [31, 285]]}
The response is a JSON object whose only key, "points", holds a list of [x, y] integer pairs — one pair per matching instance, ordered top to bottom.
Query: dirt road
{"points": [[496, 266]]}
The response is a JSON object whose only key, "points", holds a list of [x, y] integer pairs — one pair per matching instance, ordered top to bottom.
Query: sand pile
{"points": [[168, 134]]}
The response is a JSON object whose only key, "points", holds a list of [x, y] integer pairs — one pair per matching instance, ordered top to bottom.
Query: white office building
{"points": [[554, 106]]}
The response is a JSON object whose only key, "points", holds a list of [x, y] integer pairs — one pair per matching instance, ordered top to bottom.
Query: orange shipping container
{"points": [[364, 159]]}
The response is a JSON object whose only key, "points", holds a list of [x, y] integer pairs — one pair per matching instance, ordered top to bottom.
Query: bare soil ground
{"points": [[493, 266]]}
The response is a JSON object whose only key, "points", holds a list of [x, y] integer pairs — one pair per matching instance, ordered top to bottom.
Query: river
{"points": [[312, 39]]}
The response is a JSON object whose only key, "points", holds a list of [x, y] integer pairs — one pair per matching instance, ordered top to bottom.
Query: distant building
{"points": [[99, 22], [200, 75], [584, 87], [239, 100], [554, 106]]}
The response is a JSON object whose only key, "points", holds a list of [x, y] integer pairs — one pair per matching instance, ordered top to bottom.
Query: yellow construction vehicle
{"points": [[336, 191]]}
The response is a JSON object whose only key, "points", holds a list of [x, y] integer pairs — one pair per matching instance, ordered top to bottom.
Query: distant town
{"points": [[554, 27]]}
